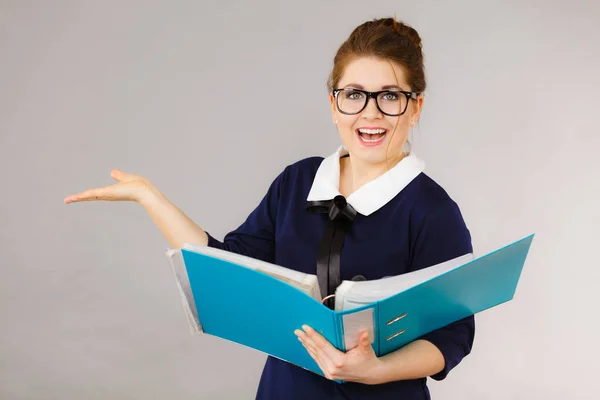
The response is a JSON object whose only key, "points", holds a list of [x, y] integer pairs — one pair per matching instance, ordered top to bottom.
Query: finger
{"points": [[116, 174], [121, 176], [105, 193], [73, 198], [364, 339], [308, 342], [365, 342], [322, 344], [311, 346], [310, 351], [332, 358], [322, 363]]}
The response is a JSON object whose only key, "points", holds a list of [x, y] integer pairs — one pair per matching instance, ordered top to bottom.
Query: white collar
{"points": [[371, 196]]}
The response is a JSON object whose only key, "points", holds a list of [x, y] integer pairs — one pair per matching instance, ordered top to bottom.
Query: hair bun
{"points": [[404, 30], [386, 39]]}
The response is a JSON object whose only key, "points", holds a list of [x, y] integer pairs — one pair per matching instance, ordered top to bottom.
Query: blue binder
{"points": [[256, 310]]}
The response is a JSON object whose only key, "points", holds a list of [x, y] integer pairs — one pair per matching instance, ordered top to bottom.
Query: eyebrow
{"points": [[386, 87]]}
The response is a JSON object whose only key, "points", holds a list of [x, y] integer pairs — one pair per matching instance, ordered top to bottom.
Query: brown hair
{"points": [[385, 39]]}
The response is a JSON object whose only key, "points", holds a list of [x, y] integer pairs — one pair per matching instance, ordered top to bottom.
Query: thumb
{"points": [[117, 174], [121, 176], [364, 342]]}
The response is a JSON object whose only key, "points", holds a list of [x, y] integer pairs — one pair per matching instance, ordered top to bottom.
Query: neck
{"points": [[356, 173]]}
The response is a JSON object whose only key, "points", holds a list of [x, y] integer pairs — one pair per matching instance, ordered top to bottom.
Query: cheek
{"points": [[346, 124], [401, 124], [401, 132]]}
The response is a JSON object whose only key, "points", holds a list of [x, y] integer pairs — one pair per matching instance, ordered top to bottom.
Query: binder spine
{"points": [[177, 262], [339, 331], [376, 332]]}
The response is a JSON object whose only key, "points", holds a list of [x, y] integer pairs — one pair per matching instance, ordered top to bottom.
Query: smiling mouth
{"points": [[371, 136]]}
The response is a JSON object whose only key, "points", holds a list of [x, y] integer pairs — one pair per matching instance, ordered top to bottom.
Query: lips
{"points": [[371, 135]]}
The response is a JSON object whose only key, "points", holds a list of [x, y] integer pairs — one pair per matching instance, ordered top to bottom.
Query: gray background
{"points": [[210, 100]]}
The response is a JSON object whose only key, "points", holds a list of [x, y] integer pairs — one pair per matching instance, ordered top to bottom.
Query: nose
{"points": [[371, 111]]}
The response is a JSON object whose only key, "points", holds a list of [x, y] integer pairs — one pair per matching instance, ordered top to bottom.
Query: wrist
{"points": [[150, 197], [383, 371], [377, 373]]}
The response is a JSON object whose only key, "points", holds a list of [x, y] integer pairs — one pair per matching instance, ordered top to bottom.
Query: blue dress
{"points": [[405, 221]]}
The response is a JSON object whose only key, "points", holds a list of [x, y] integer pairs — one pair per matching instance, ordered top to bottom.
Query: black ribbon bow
{"points": [[341, 215]]}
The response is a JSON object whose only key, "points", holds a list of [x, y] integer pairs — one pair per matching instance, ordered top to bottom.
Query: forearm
{"points": [[177, 227], [416, 360]]}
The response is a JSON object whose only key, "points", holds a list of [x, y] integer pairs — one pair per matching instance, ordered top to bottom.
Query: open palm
{"points": [[130, 187]]}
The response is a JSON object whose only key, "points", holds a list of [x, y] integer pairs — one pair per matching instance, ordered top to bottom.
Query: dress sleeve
{"points": [[444, 236], [255, 237]]}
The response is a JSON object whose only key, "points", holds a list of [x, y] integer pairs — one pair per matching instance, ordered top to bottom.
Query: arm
{"points": [[172, 222], [176, 227], [442, 236], [255, 237], [416, 360], [360, 364]]}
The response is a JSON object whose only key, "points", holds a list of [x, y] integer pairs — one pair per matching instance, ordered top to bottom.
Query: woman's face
{"points": [[371, 134]]}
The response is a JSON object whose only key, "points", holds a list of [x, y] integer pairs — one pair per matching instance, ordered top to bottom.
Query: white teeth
{"points": [[371, 131], [364, 139]]}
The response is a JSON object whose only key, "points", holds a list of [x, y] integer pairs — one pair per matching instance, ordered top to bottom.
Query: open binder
{"points": [[259, 305]]}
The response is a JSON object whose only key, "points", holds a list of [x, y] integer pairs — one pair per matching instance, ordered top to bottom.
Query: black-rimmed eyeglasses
{"points": [[352, 101]]}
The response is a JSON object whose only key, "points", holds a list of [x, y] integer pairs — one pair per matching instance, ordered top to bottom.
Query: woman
{"points": [[397, 220]]}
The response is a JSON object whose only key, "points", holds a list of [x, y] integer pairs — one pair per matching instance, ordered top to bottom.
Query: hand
{"points": [[130, 188], [359, 364]]}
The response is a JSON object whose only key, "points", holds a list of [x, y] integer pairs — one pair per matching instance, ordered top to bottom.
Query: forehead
{"points": [[373, 73]]}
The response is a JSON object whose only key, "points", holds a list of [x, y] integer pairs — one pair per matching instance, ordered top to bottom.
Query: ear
{"points": [[333, 110], [416, 110]]}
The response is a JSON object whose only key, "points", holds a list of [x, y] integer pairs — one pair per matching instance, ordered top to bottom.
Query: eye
{"points": [[353, 95], [390, 96]]}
